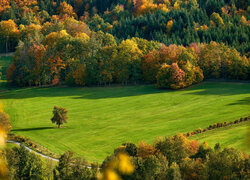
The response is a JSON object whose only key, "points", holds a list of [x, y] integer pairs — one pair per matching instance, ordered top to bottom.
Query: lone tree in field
{"points": [[60, 116]]}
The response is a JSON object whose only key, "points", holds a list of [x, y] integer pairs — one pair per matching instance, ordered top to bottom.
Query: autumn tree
{"points": [[4, 4], [66, 9], [215, 17], [74, 27], [8, 30], [220, 61], [128, 62], [55, 64], [170, 77], [60, 116], [176, 148], [144, 150], [192, 168]]}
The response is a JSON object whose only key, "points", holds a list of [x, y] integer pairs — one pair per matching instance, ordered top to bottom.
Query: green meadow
{"points": [[102, 118], [231, 136]]}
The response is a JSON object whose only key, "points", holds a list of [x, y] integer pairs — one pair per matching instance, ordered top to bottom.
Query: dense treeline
{"points": [[167, 21], [54, 47], [77, 56], [168, 158]]}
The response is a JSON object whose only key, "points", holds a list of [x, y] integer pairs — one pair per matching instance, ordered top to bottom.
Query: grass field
{"points": [[103, 118], [100, 119], [231, 136]]}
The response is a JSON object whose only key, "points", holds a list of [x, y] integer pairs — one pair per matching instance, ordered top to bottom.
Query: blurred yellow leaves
{"points": [[4, 127], [2, 137], [124, 164], [120, 165], [3, 167], [110, 175]]}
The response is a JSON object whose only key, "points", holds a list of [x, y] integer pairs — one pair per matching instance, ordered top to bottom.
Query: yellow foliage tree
{"points": [[8, 29], [120, 165]]}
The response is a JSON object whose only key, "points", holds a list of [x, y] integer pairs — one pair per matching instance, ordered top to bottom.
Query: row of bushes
{"points": [[216, 125], [35, 146]]}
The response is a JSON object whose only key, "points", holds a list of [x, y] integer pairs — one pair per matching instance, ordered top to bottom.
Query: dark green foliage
{"points": [[217, 147], [130, 148], [172, 148], [203, 151], [227, 163], [24, 165], [64, 167], [153, 167], [70, 168], [174, 172]]}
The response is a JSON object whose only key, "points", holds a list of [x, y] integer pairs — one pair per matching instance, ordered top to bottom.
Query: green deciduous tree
{"points": [[24, 165]]}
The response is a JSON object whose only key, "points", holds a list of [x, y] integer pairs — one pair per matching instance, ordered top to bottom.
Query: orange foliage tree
{"points": [[4, 4], [66, 10], [55, 64], [170, 76], [145, 150]]}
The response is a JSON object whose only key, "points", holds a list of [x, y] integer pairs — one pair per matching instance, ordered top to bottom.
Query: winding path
{"points": [[31, 150], [39, 154]]}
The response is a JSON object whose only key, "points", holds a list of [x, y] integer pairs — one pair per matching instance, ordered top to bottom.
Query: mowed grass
{"points": [[102, 118], [231, 136]]}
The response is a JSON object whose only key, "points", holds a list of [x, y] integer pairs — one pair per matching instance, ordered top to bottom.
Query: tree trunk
{"points": [[6, 46], [59, 125]]}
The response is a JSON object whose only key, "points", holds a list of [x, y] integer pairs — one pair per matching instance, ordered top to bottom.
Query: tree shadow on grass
{"points": [[205, 88], [219, 88], [82, 93], [245, 101], [33, 129]]}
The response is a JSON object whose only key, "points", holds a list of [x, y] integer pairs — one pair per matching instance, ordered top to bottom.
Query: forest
{"points": [[45, 35], [147, 48]]}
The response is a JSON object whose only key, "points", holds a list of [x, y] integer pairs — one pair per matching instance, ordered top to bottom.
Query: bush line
{"points": [[216, 126]]}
